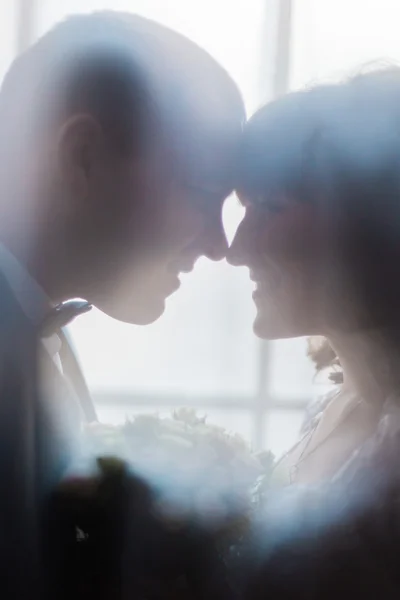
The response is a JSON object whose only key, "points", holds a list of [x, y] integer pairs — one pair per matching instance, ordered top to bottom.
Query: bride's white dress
{"points": [[339, 538]]}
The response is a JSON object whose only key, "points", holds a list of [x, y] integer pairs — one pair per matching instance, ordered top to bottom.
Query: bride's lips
{"points": [[270, 274], [267, 285], [260, 291]]}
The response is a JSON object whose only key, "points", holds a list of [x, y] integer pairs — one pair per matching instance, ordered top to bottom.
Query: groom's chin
{"points": [[137, 313], [148, 315]]}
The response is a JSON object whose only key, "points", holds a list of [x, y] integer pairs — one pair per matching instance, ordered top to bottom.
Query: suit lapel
{"points": [[74, 373], [62, 412], [39, 431], [19, 432]]}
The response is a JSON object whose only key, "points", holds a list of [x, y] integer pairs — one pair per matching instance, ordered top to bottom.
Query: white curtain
{"points": [[332, 39]]}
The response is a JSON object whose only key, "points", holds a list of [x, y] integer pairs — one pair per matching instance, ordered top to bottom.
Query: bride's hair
{"points": [[326, 138], [318, 348], [324, 358]]}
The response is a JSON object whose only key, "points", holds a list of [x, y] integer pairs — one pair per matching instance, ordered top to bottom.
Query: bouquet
{"points": [[173, 496]]}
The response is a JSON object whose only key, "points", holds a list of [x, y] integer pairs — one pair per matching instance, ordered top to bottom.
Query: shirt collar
{"points": [[29, 294]]}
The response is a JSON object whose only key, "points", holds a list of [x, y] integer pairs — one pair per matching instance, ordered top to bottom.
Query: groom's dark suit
{"points": [[40, 419]]}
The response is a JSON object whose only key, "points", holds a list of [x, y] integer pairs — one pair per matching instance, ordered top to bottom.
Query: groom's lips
{"points": [[178, 268], [173, 284]]}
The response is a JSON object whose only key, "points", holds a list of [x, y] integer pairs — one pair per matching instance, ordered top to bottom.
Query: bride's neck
{"points": [[370, 361]]}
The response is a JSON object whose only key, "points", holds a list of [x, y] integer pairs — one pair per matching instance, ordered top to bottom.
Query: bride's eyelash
{"points": [[273, 207]]}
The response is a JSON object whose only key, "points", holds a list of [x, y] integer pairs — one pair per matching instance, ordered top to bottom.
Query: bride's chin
{"points": [[261, 327], [266, 327], [261, 333]]}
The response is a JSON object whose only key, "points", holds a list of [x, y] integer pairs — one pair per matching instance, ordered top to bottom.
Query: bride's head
{"points": [[319, 177]]}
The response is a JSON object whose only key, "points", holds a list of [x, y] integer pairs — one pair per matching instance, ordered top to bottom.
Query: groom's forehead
{"points": [[210, 154], [212, 171]]}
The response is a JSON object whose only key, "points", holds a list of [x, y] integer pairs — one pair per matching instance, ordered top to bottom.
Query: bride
{"points": [[320, 181]]}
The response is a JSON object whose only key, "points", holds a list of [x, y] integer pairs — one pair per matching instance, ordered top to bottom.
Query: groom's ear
{"points": [[80, 149]]}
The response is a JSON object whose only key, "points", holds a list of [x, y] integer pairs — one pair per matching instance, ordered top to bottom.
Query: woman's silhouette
{"points": [[320, 180]]}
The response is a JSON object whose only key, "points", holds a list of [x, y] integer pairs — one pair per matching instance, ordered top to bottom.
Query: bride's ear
{"points": [[79, 148]]}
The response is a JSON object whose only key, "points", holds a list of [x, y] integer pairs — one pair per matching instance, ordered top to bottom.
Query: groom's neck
{"points": [[37, 257]]}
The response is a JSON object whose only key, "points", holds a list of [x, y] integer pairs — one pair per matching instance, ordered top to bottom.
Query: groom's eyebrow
{"points": [[214, 182], [219, 190], [212, 192]]}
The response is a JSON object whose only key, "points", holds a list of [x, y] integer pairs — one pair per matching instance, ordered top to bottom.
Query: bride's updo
{"points": [[319, 349]]}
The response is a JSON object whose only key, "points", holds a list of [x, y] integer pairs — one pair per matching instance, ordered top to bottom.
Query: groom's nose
{"points": [[215, 242], [238, 252], [234, 256]]}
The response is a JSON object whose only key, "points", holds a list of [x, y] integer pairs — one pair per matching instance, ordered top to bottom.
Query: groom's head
{"points": [[126, 133]]}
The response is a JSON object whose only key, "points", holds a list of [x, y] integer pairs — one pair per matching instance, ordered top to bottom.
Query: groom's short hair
{"points": [[127, 71]]}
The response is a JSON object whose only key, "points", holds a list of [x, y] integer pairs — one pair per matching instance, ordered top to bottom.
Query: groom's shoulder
{"points": [[7, 302], [13, 321]]}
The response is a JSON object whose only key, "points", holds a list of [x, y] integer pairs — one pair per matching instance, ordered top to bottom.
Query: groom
{"points": [[117, 140]]}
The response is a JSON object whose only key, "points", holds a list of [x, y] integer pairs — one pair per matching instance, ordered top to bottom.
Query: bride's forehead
{"points": [[276, 165]]}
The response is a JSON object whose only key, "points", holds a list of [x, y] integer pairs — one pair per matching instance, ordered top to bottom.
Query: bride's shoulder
{"points": [[376, 462]]}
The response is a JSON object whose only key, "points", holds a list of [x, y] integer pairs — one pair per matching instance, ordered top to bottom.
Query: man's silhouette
{"points": [[117, 145]]}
